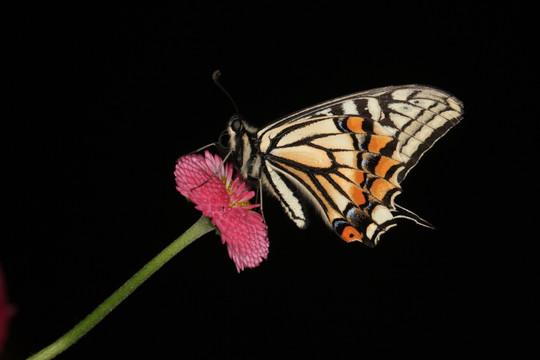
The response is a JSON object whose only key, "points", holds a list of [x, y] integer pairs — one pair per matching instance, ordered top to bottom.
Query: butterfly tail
{"points": [[401, 212]]}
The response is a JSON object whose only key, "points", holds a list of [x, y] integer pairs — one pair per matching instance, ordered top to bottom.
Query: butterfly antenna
{"points": [[215, 76], [202, 148]]}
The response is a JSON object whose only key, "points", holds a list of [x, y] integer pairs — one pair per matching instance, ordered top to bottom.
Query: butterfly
{"points": [[347, 156]]}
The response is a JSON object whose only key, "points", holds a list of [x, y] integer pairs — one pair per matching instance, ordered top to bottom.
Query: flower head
{"points": [[225, 198]]}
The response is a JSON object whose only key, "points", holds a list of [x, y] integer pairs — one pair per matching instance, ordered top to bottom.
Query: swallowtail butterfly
{"points": [[348, 156]]}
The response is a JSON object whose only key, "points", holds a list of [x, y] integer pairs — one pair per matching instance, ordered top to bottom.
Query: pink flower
{"points": [[226, 200], [5, 312]]}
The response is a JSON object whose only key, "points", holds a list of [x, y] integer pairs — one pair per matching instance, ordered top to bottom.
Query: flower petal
{"points": [[196, 180], [244, 232]]}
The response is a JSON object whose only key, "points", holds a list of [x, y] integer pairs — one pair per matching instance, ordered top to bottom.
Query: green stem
{"points": [[201, 227]]}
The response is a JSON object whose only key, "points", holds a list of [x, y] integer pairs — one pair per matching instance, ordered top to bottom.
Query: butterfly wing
{"points": [[417, 115], [349, 155]]}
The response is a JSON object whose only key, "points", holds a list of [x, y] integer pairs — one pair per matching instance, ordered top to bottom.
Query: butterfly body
{"points": [[348, 155]]}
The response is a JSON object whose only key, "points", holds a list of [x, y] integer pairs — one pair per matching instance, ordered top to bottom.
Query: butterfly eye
{"points": [[236, 125]]}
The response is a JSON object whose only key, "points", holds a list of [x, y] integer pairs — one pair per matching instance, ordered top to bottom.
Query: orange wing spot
{"points": [[355, 124], [377, 142], [384, 164], [354, 175], [359, 177], [379, 188], [357, 195], [351, 234]]}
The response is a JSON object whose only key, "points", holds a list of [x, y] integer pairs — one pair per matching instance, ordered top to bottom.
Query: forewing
{"points": [[416, 115]]}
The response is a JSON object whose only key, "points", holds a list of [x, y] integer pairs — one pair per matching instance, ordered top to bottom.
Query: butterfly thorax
{"points": [[243, 147]]}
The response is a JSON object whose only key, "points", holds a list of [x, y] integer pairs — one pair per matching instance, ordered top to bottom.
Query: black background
{"points": [[104, 100]]}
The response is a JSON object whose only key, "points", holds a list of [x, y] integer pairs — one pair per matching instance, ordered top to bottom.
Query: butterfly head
{"points": [[236, 124]]}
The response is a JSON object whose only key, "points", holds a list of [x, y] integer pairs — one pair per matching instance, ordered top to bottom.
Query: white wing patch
{"points": [[402, 94], [349, 108], [374, 109], [405, 109], [399, 120]]}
